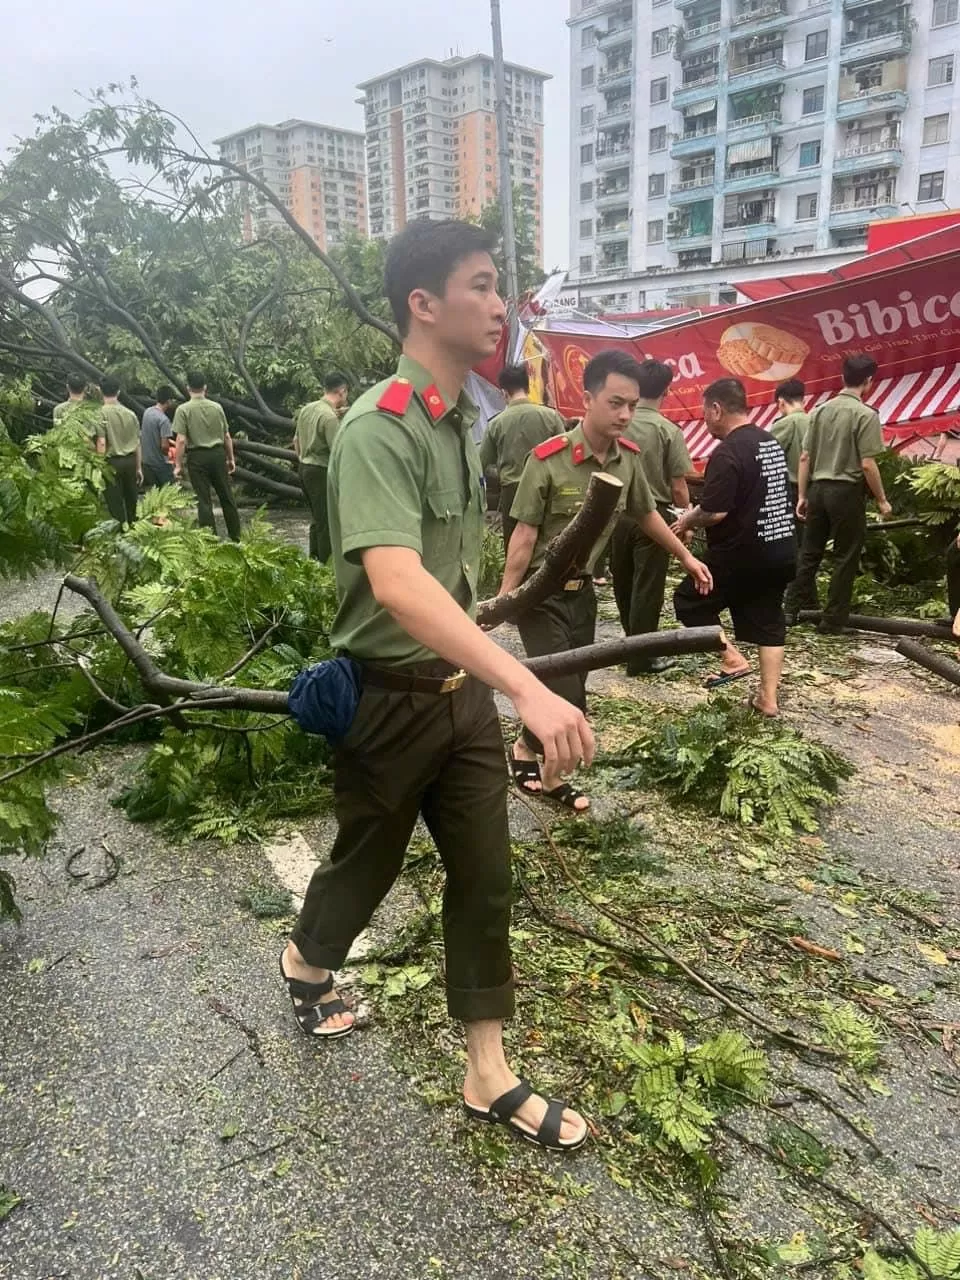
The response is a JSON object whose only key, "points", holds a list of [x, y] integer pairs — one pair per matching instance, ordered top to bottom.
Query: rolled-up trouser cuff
{"points": [[321, 955], [479, 1004]]}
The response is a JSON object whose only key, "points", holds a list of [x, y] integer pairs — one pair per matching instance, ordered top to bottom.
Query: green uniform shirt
{"points": [[59, 410], [86, 415], [202, 421], [317, 425], [120, 429], [790, 432], [513, 433], [841, 433], [663, 452], [404, 478], [552, 491]]}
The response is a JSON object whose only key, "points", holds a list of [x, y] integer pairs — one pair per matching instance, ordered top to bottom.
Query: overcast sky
{"points": [[223, 65]]}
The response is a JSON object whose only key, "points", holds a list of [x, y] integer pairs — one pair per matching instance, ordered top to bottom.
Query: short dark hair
{"points": [[424, 256], [601, 366], [857, 368], [514, 378], [655, 378], [196, 380], [334, 381], [76, 383], [110, 386], [792, 389], [728, 393], [165, 394]]}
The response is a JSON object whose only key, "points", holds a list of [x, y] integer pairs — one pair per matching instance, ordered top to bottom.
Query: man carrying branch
{"points": [[552, 489]]}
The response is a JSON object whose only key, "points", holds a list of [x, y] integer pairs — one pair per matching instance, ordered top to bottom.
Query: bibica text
{"points": [[871, 320]]}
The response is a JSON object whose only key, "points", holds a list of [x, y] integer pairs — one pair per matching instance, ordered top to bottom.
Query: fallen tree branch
{"points": [[242, 445], [279, 472], [270, 486], [565, 556], [886, 626], [609, 653], [938, 663]]}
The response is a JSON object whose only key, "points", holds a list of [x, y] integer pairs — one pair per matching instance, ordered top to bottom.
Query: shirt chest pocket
{"points": [[566, 505], [443, 525]]}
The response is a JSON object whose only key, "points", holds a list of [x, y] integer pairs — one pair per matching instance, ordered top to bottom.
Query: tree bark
{"points": [[266, 450], [275, 471], [273, 487], [565, 556], [886, 626], [610, 653], [938, 663]]}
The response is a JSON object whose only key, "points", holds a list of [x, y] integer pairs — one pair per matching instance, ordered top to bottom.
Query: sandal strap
{"points": [[565, 794], [306, 990], [317, 1014], [504, 1107], [549, 1131]]}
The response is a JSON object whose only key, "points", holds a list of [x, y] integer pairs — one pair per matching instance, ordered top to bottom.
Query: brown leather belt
{"points": [[575, 584], [413, 682]]}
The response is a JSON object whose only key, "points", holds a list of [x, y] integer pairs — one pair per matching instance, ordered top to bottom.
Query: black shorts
{"points": [[754, 597]]}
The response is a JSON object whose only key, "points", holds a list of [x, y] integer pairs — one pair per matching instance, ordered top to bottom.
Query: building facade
{"points": [[713, 139], [432, 141], [318, 172]]}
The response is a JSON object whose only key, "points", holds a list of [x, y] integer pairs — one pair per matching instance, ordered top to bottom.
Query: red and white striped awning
{"points": [[898, 401]]}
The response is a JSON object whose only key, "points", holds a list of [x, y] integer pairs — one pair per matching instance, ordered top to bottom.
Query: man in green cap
{"points": [[317, 424], [511, 435], [118, 437], [204, 440], [552, 488], [406, 522], [640, 563]]}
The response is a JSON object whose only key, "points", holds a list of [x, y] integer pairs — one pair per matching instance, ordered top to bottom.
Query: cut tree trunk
{"points": [[265, 450], [276, 471], [269, 486], [565, 557], [886, 626], [609, 653], [938, 663]]}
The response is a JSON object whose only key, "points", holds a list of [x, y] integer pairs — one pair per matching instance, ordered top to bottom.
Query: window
{"points": [[944, 13], [588, 37], [660, 41], [816, 45], [940, 71], [587, 75], [658, 90], [812, 100], [586, 116], [935, 129], [658, 138], [586, 153], [809, 154], [656, 185], [931, 186], [586, 191], [807, 207], [586, 228], [655, 231], [586, 264]]}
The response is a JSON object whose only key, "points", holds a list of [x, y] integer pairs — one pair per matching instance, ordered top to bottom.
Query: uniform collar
{"points": [[851, 391], [464, 413], [645, 413], [580, 450]]}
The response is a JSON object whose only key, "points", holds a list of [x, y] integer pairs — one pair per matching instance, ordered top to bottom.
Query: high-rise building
{"points": [[719, 139], [432, 141], [317, 172]]}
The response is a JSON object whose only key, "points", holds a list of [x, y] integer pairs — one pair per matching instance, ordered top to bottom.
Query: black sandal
{"points": [[525, 771], [567, 796], [309, 1017], [502, 1111]]}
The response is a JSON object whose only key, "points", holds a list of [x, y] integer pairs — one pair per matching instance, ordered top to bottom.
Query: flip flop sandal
{"points": [[725, 677], [755, 706], [525, 771], [567, 796], [311, 1017], [503, 1110]]}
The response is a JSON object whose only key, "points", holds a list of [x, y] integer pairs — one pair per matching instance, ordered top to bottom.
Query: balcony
{"points": [[755, 19], [700, 30], [613, 37], [876, 38], [763, 71], [613, 76], [704, 86], [615, 115], [756, 126], [698, 143], [867, 156], [611, 157], [743, 177], [692, 189], [614, 197], [853, 212], [764, 224], [607, 233], [684, 238], [748, 250], [614, 270]]}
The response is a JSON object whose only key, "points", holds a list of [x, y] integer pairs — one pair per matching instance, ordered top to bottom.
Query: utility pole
{"points": [[511, 284]]}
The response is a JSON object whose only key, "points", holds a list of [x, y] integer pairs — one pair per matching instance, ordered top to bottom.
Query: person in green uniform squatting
{"points": [[317, 424], [790, 432], [512, 434], [118, 437], [203, 438], [837, 467], [552, 489], [406, 522], [639, 564]]}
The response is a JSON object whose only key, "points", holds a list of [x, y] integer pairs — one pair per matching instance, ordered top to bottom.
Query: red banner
{"points": [[906, 316]]}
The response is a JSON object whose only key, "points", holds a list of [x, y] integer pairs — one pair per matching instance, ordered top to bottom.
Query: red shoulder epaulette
{"points": [[396, 399], [624, 443], [549, 447]]}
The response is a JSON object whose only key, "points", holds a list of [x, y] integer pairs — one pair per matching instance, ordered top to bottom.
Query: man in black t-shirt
{"points": [[751, 548]]}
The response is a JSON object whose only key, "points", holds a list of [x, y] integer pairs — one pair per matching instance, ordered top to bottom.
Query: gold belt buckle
{"points": [[573, 585], [456, 681]]}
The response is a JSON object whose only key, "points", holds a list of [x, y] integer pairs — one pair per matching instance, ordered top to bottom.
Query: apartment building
{"points": [[721, 139], [432, 141], [318, 172]]}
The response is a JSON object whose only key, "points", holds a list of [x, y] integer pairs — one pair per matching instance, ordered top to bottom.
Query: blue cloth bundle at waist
{"points": [[324, 698]]}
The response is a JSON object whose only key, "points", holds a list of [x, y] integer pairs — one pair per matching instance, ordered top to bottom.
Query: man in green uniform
{"points": [[76, 385], [317, 424], [790, 432], [512, 434], [118, 437], [203, 437], [837, 467], [552, 488], [406, 521], [639, 563]]}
